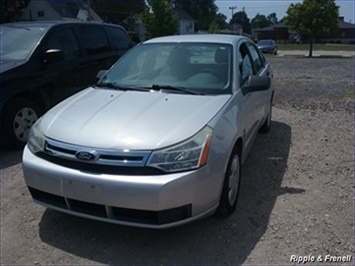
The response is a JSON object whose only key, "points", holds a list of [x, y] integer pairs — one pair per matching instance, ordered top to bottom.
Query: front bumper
{"points": [[268, 50], [152, 201]]}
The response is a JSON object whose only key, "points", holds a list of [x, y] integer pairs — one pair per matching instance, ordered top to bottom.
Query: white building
{"points": [[59, 10], [186, 23]]}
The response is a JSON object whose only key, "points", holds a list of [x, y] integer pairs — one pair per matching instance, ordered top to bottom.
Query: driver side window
{"points": [[63, 39], [245, 66]]}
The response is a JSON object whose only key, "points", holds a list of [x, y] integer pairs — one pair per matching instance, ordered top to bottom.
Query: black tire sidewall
{"points": [[266, 127], [225, 208]]}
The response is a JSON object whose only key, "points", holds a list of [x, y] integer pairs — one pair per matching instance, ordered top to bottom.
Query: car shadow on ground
{"points": [[9, 158], [209, 241]]}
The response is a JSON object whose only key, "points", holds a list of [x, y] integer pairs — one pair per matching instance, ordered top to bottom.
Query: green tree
{"points": [[11, 10], [117, 10], [202, 11], [242, 18], [272, 18], [313, 18], [160, 20], [260, 21], [219, 23], [213, 28]]}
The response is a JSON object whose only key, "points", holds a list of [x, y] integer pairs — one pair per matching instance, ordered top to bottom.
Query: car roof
{"points": [[51, 23], [204, 38]]}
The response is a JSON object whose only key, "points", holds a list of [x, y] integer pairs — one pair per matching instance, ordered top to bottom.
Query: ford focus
{"points": [[159, 141]]}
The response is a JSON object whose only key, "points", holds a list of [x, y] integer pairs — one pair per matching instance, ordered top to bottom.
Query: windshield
{"points": [[17, 42], [266, 42], [196, 67]]}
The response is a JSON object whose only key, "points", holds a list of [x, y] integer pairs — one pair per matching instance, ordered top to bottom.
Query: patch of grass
{"points": [[319, 47], [348, 93]]}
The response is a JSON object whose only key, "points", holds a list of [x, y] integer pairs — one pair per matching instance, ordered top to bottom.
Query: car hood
{"points": [[7, 65], [132, 120]]}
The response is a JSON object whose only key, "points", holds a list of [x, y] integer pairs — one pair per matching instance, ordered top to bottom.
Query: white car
{"points": [[160, 139]]}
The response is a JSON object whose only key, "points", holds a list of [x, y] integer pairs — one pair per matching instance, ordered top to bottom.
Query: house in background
{"points": [[59, 10], [186, 22], [278, 32], [281, 33], [345, 34]]}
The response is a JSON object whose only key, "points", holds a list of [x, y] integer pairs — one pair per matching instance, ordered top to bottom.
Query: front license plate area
{"points": [[84, 191]]}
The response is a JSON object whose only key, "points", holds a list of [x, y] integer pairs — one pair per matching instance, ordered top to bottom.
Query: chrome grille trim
{"points": [[112, 157]]}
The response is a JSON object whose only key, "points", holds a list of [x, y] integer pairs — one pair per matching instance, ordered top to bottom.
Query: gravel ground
{"points": [[296, 192]]}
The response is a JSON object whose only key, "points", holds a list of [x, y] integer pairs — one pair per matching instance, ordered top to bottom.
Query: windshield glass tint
{"points": [[18, 42], [266, 42], [203, 68]]}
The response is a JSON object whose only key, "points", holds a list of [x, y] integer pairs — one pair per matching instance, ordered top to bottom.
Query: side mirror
{"points": [[53, 55], [101, 73], [256, 83]]}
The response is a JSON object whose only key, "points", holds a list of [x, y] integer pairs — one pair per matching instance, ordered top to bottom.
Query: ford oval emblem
{"points": [[86, 155]]}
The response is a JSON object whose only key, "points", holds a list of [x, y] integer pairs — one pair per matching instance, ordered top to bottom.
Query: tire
{"points": [[275, 52], [18, 118], [267, 124], [231, 185]]}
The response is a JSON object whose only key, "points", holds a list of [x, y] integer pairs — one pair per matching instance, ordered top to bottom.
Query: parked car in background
{"points": [[268, 46], [42, 63], [160, 139]]}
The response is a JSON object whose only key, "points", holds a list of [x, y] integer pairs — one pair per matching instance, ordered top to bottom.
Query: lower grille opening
{"points": [[48, 198], [87, 208], [119, 214], [152, 217]]}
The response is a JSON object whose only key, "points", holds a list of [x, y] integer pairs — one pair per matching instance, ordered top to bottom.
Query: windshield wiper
{"points": [[110, 85], [113, 85], [173, 88]]}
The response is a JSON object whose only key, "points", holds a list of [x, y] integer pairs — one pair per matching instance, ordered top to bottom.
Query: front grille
{"points": [[50, 147], [122, 158], [125, 158], [115, 162], [100, 169], [114, 213]]}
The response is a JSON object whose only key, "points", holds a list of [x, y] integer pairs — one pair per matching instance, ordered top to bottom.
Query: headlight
{"points": [[36, 139], [188, 155]]}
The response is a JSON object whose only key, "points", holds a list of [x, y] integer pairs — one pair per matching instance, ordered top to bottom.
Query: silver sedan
{"points": [[160, 139]]}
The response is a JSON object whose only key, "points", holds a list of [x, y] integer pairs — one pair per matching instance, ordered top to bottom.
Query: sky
{"points": [[252, 7]]}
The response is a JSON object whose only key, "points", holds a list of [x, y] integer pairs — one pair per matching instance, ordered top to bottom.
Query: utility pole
{"points": [[89, 8], [232, 8]]}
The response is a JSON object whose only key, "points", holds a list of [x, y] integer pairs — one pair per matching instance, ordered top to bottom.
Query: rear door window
{"points": [[118, 38], [93, 39]]}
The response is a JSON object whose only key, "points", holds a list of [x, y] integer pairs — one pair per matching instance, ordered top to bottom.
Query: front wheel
{"points": [[18, 119], [267, 124], [230, 190]]}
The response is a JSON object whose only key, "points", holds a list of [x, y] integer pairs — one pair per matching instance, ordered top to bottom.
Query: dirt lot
{"points": [[296, 195]]}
